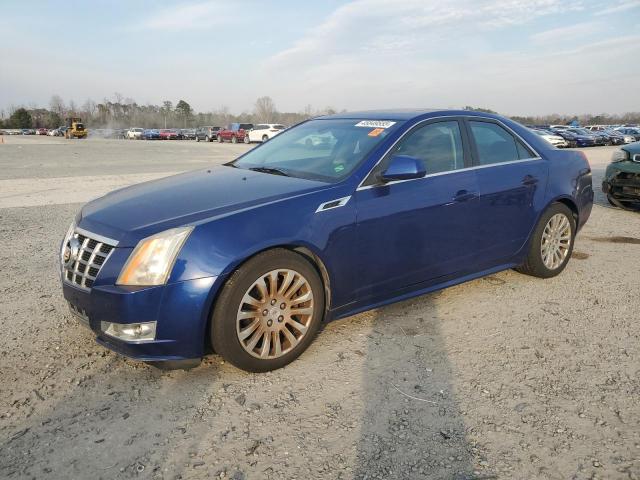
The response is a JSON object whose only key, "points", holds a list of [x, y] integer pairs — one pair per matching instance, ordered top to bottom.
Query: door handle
{"points": [[529, 180], [464, 195]]}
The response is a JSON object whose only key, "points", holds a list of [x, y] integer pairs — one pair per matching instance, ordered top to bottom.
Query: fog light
{"points": [[130, 332]]}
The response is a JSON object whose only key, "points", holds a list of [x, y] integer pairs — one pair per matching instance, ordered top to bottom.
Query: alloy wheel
{"points": [[556, 241], [275, 314]]}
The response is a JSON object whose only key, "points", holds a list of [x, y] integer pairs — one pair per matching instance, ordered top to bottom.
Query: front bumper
{"points": [[622, 181], [181, 311]]}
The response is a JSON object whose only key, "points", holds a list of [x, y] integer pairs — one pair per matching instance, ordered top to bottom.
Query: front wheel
{"points": [[264, 138], [247, 140], [551, 243], [269, 311]]}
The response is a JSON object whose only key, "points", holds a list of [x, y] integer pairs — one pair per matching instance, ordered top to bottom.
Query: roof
{"points": [[404, 114]]}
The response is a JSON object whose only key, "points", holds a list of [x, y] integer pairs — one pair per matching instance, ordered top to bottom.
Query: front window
{"points": [[438, 145], [325, 150]]}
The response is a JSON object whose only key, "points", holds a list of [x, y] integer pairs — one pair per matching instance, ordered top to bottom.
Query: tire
{"points": [[197, 138], [264, 138], [219, 139], [234, 139], [247, 140], [534, 264], [226, 326]]}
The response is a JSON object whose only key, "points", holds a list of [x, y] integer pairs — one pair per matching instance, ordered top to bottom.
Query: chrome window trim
{"points": [[454, 117], [448, 172], [341, 203], [95, 236]]}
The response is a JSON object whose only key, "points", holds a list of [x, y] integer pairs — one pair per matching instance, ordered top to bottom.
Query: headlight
{"points": [[619, 156], [151, 261]]}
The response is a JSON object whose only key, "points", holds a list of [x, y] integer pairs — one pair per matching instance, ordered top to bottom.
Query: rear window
{"points": [[245, 126], [278, 127], [497, 145]]}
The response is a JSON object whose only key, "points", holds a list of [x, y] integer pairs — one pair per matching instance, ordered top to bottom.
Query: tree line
{"points": [[120, 112], [559, 119]]}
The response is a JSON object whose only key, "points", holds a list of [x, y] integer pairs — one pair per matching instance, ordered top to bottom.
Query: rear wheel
{"points": [[264, 138], [219, 139], [234, 139], [247, 139], [551, 243], [269, 311]]}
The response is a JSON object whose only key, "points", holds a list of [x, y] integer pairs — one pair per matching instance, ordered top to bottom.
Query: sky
{"points": [[518, 57]]}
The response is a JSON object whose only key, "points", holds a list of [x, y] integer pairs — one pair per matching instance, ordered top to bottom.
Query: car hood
{"points": [[632, 148], [135, 212]]}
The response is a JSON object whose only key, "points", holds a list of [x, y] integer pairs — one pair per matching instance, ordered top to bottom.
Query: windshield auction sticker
{"points": [[375, 124]]}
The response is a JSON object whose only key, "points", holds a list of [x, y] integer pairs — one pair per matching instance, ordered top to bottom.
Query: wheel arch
{"points": [[570, 203], [304, 250]]}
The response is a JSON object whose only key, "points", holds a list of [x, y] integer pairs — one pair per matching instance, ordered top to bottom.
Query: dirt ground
{"points": [[506, 377]]}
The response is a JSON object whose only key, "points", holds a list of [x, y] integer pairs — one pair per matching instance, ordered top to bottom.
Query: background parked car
{"points": [[41, 131], [630, 131], [263, 132], [135, 133], [188, 133], [234, 133], [151, 134], [169, 134], [208, 134], [611, 137], [552, 138], [573, 139]]}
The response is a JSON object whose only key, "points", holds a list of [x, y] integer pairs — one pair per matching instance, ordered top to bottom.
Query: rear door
{"points": [[512, 178]]}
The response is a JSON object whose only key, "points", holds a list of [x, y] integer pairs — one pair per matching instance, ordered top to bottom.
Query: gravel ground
{"points": [[503, 377]]}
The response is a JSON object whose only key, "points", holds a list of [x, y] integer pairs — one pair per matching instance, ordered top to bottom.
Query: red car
{"points": [[42, 131], [234, 133], [169, 134]]}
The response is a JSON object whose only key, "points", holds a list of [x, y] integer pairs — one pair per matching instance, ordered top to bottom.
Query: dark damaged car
{"points": [[621, 182]]}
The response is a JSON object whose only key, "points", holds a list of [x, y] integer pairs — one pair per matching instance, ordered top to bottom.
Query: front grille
{"points": [[82, 271]]}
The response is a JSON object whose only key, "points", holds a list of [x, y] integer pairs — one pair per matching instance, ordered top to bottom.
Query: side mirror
{"points": [[403, 167]]}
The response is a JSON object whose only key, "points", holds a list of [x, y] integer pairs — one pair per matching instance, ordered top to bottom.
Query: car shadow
{"points": [[412, 426]]}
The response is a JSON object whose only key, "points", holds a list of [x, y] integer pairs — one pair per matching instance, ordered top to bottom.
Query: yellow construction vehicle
{"points": [[75, 128]]}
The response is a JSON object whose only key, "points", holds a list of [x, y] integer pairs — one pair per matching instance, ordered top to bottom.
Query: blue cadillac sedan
{"points": [[335, 216]]}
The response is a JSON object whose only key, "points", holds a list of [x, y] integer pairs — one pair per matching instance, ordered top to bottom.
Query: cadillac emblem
{"points": [[71, 252]]}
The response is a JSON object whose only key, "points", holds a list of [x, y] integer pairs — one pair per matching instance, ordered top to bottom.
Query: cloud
{"points": [[620, 7], [185, 17], [379, 26], [574, 33], [410, 53]]}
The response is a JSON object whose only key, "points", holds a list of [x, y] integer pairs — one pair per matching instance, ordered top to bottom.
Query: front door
{"points": [[414, 231]]}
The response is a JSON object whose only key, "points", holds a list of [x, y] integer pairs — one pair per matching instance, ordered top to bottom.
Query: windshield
{"points": [[324, 150]]}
